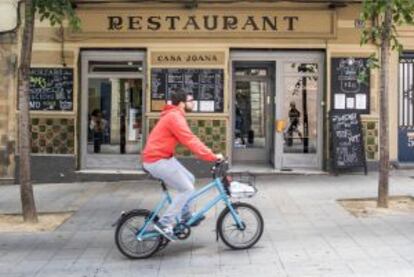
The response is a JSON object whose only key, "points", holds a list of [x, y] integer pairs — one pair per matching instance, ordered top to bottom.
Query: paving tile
{"points": [[306, 233]]}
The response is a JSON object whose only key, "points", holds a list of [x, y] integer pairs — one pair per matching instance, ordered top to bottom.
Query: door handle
{"points": [[280, 125]]}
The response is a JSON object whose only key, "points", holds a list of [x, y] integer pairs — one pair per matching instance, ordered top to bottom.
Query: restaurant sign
{"points": [[207, 23]]}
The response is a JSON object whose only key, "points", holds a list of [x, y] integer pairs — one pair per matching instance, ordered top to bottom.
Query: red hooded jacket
{"points": [[171, 129]]}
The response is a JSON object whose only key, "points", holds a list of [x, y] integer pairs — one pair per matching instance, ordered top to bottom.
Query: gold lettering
{"points": [[290, 20], [135, 22], [250, 22], [115, 23]]}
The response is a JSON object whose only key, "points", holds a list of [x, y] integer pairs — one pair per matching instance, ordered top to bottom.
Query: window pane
{"points": [[120, 66], [301, 68], [251, 71], [300, 108], [114, 116], [250, 124]]}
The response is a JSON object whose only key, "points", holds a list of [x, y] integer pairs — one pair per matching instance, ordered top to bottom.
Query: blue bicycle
{"points": [[240, 225]]}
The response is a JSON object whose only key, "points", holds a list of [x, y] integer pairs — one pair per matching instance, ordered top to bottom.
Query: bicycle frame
{"points": [[222, 196]]}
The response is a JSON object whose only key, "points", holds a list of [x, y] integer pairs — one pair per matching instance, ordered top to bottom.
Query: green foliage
{"points": [[56, 11], [373, 13], [375, 31], [372, 63]]}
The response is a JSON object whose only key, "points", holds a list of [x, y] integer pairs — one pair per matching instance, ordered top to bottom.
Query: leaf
{"points": [[56, 11]]}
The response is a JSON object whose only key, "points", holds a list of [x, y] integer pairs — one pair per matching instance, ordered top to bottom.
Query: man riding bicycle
{"points": [[159, 160]]}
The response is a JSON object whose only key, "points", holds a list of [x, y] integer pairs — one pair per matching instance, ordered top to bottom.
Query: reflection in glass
{"points": [[115, 66], [299, 68], [251, 71], [300, 108], [114, 116], [250, 125]]}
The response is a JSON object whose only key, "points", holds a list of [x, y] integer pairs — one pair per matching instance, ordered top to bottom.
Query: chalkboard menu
{"points": [[206, 86], [51, 89], [348, 93], [347, 144]]}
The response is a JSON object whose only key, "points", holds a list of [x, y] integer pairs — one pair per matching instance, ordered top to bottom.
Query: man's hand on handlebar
{"points": [[219, 157]]}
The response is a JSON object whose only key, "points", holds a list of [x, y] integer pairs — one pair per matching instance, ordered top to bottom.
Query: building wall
{"points": [[47, 51], [8, 58]]}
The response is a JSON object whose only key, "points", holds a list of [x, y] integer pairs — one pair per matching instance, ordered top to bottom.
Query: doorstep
{"points": [[400, 165], [262, 169], [111, 171], [109, 175], [7, 181]]}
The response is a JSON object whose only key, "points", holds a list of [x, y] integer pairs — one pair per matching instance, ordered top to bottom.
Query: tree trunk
{"points": [[384, 132], [26, 188]]}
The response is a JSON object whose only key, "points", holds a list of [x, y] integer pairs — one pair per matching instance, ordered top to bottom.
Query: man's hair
{"points": [[178, 96]]}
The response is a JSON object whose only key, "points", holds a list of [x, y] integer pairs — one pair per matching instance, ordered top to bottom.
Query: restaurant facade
{"points": [[264, 77]]}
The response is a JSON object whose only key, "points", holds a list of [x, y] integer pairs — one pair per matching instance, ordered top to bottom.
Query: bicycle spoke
{"points": [[231, 227], [131, 228], [241, 237], [131, 240]]}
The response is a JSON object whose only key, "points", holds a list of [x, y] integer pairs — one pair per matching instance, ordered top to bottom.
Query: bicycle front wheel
{"points": [[126, 236], [236, 237]]}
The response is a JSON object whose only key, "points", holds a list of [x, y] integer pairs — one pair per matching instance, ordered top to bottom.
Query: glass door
{"points": [[112, 109], [114, 116], [252, 134], [300, 143]]}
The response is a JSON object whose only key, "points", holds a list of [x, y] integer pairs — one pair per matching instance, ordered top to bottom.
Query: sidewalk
{"points": [[306, 233]]}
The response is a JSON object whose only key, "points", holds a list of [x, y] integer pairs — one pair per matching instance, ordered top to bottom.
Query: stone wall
{"points": [[7, 87], [212, 131]]}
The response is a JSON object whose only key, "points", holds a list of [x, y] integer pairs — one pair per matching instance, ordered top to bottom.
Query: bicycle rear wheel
{"points": [[126, 236], [236, 237]]}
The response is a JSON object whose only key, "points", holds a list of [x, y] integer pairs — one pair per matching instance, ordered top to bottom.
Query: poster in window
{"points": [[158, 85], [339, 101], [350, 101], [361, 101], [195, 106], [207, 106]]}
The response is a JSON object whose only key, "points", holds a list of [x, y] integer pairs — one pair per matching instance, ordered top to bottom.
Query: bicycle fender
{"points": [[134, 211]]}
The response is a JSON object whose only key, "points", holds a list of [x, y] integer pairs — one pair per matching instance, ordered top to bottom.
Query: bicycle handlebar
{"points": [[220, 168]]}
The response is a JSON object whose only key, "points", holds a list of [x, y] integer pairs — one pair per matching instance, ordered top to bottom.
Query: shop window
{"points": [[206, 86]]}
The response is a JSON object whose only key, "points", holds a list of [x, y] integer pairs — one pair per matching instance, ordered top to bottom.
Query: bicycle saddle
{"points": [[155, 178]]}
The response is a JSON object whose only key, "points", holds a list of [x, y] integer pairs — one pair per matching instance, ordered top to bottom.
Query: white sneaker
{"points": [[166, 231]]}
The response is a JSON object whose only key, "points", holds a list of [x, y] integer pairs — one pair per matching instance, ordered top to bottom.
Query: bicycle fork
{"points": [[237, 220]]}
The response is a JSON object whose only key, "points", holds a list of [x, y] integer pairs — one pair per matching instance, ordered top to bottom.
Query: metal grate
{"points": [[406, 91]]}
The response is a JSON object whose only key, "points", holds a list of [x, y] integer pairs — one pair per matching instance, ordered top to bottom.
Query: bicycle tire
{"points": [[226, 212], [121, 245]]}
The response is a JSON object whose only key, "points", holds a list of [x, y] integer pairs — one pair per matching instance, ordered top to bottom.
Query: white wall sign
{"points": [[8, 15], [340, 101]]}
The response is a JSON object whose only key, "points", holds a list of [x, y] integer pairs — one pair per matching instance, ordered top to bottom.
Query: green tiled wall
{"points": [[211, 131], [370, 132], [53, 135]]}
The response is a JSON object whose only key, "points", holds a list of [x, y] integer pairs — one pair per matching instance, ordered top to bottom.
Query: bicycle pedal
{"points": [[182, 231]]}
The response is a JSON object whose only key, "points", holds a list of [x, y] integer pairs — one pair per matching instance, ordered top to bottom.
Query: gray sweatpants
{"points": [[175, 176]]}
